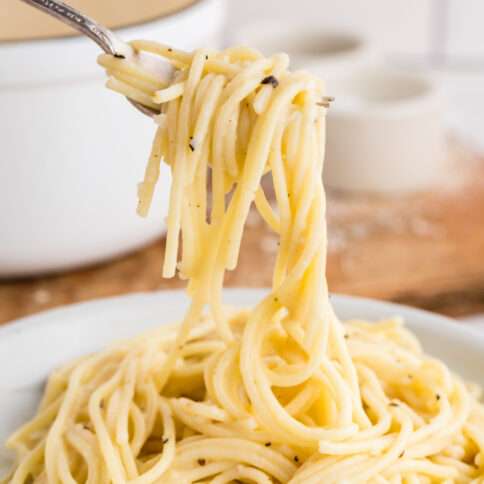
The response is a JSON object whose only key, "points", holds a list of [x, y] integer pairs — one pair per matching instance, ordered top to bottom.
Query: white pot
{"points": [[72, 152]]}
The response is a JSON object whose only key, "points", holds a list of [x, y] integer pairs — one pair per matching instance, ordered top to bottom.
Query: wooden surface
{"points": [[424, 250]]}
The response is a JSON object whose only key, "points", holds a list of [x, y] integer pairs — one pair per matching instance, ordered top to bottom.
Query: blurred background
{"points": [[405, 149]]}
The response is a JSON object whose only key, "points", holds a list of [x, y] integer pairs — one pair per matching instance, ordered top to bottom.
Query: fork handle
{"points": [[70, 16]]}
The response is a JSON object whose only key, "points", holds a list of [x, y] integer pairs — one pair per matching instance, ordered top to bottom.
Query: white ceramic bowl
{"points": [[385, 132], [72, 151], [32, 347]]}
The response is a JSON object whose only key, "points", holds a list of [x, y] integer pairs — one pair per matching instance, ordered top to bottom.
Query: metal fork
{"points": [[105, 38]]}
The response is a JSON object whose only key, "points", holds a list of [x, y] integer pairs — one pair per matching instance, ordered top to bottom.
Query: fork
{"points": [[105, 38]]}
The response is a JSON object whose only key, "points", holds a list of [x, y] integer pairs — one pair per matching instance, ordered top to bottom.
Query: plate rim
{"points": [[54, 315]]}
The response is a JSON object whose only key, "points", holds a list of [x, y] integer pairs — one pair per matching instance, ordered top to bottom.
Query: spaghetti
{"points": [[282, 392]]}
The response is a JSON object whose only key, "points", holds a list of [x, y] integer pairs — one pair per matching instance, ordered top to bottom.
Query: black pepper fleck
{"points": [[170, 49], [119, 56], [270, 80], [191, 144], [437, 396], [393, 404], [165, 440], [267, 444], [401, 454], [296, 458], [202, 462]]}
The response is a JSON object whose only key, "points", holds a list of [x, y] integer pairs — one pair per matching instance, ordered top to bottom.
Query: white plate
{"points": [[32, 347]]}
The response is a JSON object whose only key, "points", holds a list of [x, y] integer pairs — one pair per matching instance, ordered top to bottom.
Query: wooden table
{"points": [[425, 250]]}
